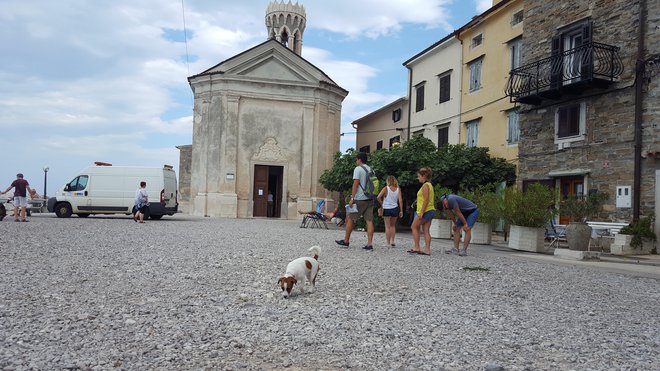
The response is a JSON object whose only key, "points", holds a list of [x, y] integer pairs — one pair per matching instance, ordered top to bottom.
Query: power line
{"points": [[185, 40]]}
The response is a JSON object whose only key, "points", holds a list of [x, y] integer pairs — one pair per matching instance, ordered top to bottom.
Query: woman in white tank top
{"points": [[392, 203]]}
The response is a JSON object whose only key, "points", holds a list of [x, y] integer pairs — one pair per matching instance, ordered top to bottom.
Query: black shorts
{"points": [[141, 209], [391, 212]]}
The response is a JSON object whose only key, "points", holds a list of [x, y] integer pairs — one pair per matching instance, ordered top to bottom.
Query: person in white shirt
{"points": [[141, 202], [392, 204]]}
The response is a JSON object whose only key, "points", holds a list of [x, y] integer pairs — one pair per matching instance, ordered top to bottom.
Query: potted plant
{"points": [[578, 209], [490, 211], [527, 213], [440, 225], [635, 239]]}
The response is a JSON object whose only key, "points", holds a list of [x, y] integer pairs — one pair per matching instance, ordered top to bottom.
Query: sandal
{"points": [[411, 251], [423, 253]]}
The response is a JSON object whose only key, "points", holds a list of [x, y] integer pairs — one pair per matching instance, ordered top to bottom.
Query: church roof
{"points": [[244, 58]]}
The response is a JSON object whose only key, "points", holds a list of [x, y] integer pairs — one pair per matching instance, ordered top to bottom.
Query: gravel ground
{"points": [[195, 293]]}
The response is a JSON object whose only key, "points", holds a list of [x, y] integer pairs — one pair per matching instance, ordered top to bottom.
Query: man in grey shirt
{"points": [[364, 206]]}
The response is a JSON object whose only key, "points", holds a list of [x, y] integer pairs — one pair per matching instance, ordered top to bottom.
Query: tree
{"points": [[339, 177]]}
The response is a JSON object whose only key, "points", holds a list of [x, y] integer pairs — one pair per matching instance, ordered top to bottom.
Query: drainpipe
{"points": [[410, 79], [639, 98]]}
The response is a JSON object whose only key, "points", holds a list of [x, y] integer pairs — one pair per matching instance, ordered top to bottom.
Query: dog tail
{"points": [[316, 250]]}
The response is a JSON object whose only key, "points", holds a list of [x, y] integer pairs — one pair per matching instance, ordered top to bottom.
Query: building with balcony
{"points": [[492, 43], [588, 92], [382, 128]]}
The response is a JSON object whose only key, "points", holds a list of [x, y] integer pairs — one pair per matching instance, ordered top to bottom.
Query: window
{"points": [[517, 18], [477, 40], [515, 46], [571, 47], [475, 75], [445, 82], [419, 100], [396, 115], [570, 121], [514, 130], [418, 133], [472, 133], [443, 136], [395, 140], [379, 145], [365, 149], [78, 184]]}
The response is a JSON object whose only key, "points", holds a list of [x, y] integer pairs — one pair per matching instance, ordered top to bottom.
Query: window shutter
{"points": [[587, 52], [557, 63], [445, 82], [562, 119]]}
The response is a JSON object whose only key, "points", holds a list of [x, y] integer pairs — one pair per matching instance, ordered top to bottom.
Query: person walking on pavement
{"points": [[21, 189], [141, 202], [392, 204], [364, 205], [464, 214]]}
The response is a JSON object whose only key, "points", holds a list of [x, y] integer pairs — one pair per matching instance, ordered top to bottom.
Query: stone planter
{"points": [[441, 228], [481, 234], [578, 236], [526, 238], [621, 246]]}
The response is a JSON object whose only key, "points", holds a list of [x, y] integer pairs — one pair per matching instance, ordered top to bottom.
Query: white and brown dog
{"points": [[298, 270]]}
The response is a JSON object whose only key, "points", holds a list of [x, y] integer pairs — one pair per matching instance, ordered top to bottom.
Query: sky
{"points": [[84, 81]]}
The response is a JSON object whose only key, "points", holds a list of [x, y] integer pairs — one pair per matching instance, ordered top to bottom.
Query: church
{"points": [[266, 124]]}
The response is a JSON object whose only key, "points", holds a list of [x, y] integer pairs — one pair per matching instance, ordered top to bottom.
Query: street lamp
{"points": [[45, 180]]}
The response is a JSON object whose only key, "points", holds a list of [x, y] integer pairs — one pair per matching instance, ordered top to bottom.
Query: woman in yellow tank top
{"points": [[424, 213]]}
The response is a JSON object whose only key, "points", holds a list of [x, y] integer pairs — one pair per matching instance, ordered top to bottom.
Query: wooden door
{"points": [[573, 186], [260, 191]]}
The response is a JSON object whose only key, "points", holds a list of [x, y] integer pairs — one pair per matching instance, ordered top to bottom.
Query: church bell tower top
{"points": [[285, 22]]}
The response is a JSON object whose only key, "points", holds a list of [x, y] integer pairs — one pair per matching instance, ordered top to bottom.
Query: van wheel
{"points": [[63, 210], [82, 215], [156, 217]]}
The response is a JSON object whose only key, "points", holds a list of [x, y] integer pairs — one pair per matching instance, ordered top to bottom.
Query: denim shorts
{"points": [[391, 212], [427, 215], [471, 218]]}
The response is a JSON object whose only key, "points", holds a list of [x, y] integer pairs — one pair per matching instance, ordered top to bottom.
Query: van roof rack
{"points": [[99, 163], [168, 167]]}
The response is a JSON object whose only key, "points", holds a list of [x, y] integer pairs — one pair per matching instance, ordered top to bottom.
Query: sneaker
{"points": [[342, 243], [368, 247], [452, 251], [462, 252]]}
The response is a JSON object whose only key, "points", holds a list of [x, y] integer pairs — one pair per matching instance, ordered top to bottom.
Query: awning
{"points": [[571, 172]]}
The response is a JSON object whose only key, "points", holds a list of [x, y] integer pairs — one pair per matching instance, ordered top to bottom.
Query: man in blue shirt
{"points": [[464, 214]]}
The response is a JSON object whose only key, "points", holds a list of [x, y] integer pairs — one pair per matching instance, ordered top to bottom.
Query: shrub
{"points": [[533, 208], [578, 209], [642, 230]]}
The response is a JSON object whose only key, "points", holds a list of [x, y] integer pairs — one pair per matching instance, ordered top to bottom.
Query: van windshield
{"points": [[79, 183]]}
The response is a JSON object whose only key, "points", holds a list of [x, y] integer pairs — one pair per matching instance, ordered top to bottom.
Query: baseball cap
{"points": [[19, 175]]}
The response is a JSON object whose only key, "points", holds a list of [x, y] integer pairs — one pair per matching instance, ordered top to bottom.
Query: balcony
{"points": [[591, 65]]}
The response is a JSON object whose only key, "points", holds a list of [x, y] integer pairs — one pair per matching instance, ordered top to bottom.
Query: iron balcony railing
{"points": [[548, 76]]}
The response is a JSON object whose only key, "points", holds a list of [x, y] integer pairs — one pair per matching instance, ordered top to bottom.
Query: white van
{"points": [[107, 189]]}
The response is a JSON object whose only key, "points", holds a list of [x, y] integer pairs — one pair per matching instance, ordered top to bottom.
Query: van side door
{"points": [[77, 191]]}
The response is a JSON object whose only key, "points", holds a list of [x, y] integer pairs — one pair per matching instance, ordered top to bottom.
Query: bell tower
{"points": [[286, 24]]}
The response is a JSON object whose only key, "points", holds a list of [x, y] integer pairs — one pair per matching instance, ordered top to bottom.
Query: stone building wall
{"points": [[607, 153], [185, 160]]}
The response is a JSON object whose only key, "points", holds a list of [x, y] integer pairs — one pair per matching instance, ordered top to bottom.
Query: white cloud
{"points": [[483, 5], [86, 81]]}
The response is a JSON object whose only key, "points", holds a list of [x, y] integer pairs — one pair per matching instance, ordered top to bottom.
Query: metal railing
{"points": [[585, 63]]}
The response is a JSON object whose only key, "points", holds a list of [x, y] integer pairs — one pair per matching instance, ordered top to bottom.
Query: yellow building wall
{"points": [[489, 103]]}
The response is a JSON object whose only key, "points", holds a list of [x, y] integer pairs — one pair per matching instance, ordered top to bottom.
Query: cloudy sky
{"points": [[84, 81]]}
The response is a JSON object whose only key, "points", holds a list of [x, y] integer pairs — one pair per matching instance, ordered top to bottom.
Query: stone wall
{"points": [[608, 148], [185, 160]]}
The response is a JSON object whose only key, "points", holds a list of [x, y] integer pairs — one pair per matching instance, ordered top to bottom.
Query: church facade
{"points": [[266, 125]]}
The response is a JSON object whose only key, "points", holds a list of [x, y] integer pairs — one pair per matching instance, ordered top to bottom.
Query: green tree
{"points": [[339, 178]]}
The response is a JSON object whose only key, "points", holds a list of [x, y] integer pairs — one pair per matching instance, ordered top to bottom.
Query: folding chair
{"points": [[315, 219], [554, 233]]}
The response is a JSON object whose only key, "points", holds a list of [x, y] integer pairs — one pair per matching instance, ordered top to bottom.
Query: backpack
{"points": [[371, 187]]}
